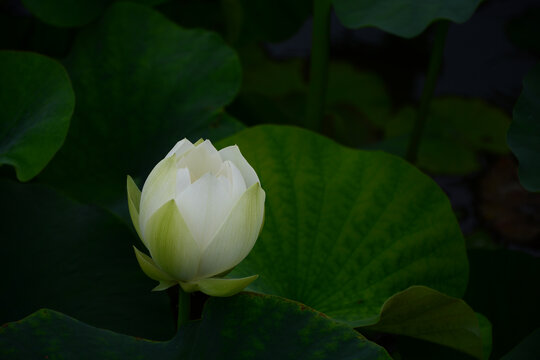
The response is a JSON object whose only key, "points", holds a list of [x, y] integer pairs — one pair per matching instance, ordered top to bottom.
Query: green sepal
{"points": [[134, 200], [151, 270], [218, 286]]}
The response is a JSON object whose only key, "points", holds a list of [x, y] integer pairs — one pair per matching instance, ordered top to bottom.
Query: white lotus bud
{"points": [[199, 214]]}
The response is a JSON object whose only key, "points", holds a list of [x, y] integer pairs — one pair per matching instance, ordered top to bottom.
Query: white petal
{"points": [[180, 148], [233, 154], [201, 160], [235, 178], [183, 180], [159, 187], [205, 205], [236, 237], [172, 246]]}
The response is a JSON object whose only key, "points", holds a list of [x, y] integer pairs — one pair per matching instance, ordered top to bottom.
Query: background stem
{"points": [[435, 62], [318, 73], [184, 306]]}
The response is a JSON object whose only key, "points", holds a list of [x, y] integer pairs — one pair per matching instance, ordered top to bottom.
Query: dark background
{"points": [[486, 57]]}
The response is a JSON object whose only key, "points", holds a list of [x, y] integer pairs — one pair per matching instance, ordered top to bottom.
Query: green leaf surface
{"points": [[69, 13], [405, 18], [142, 84], [37, 102], [456, 130], [524, 133], [346, 229], [76, 259], [502, 286], [426, 314], [246, 326], [528, 349]]}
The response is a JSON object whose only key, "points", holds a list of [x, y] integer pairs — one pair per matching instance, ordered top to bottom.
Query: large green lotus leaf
{"points": [[72, 13], [406, 18], [142, 84], [37, 102], [456, 130], [524, 133], [346, 229], [74, 258], [502, 286], [426, 314], [246, 326], [528, 349]]}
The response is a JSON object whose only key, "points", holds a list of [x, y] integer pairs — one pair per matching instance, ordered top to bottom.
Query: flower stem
{"points": [[435, 62], [318, 73], [184, 306]]}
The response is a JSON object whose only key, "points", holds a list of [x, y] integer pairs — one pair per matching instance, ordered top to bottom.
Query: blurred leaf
{"points": [[72, 13], [206, 14], [405, 18], [254, 21], [269, 77], [142, 84], [272, 91], [366, 91], [37, 102], [357, 103], [220, 126], [455, 131], [524, 133], [506, 207], [347, 229], [74, 258], [502, 286], [426, 314], [246, 326], [486, 332], [408, 348], [528, 349]]}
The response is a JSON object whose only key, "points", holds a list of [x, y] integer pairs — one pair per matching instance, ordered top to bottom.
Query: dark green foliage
{"points": [[246, 326]]}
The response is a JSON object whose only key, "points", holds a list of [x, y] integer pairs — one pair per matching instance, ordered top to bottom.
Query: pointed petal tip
{"points": [[149, 267], [164, 285], [225, 287]]}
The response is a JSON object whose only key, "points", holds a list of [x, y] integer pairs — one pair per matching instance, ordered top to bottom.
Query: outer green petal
{"points": [[200, 141], [159, 187], [134, 200], [236, 237], [171, 244], [153, 272], [164, 285], [189, 287], [220, 287]]}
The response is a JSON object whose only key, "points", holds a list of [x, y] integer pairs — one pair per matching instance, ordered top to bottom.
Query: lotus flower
{"points": [[199, 215]]}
